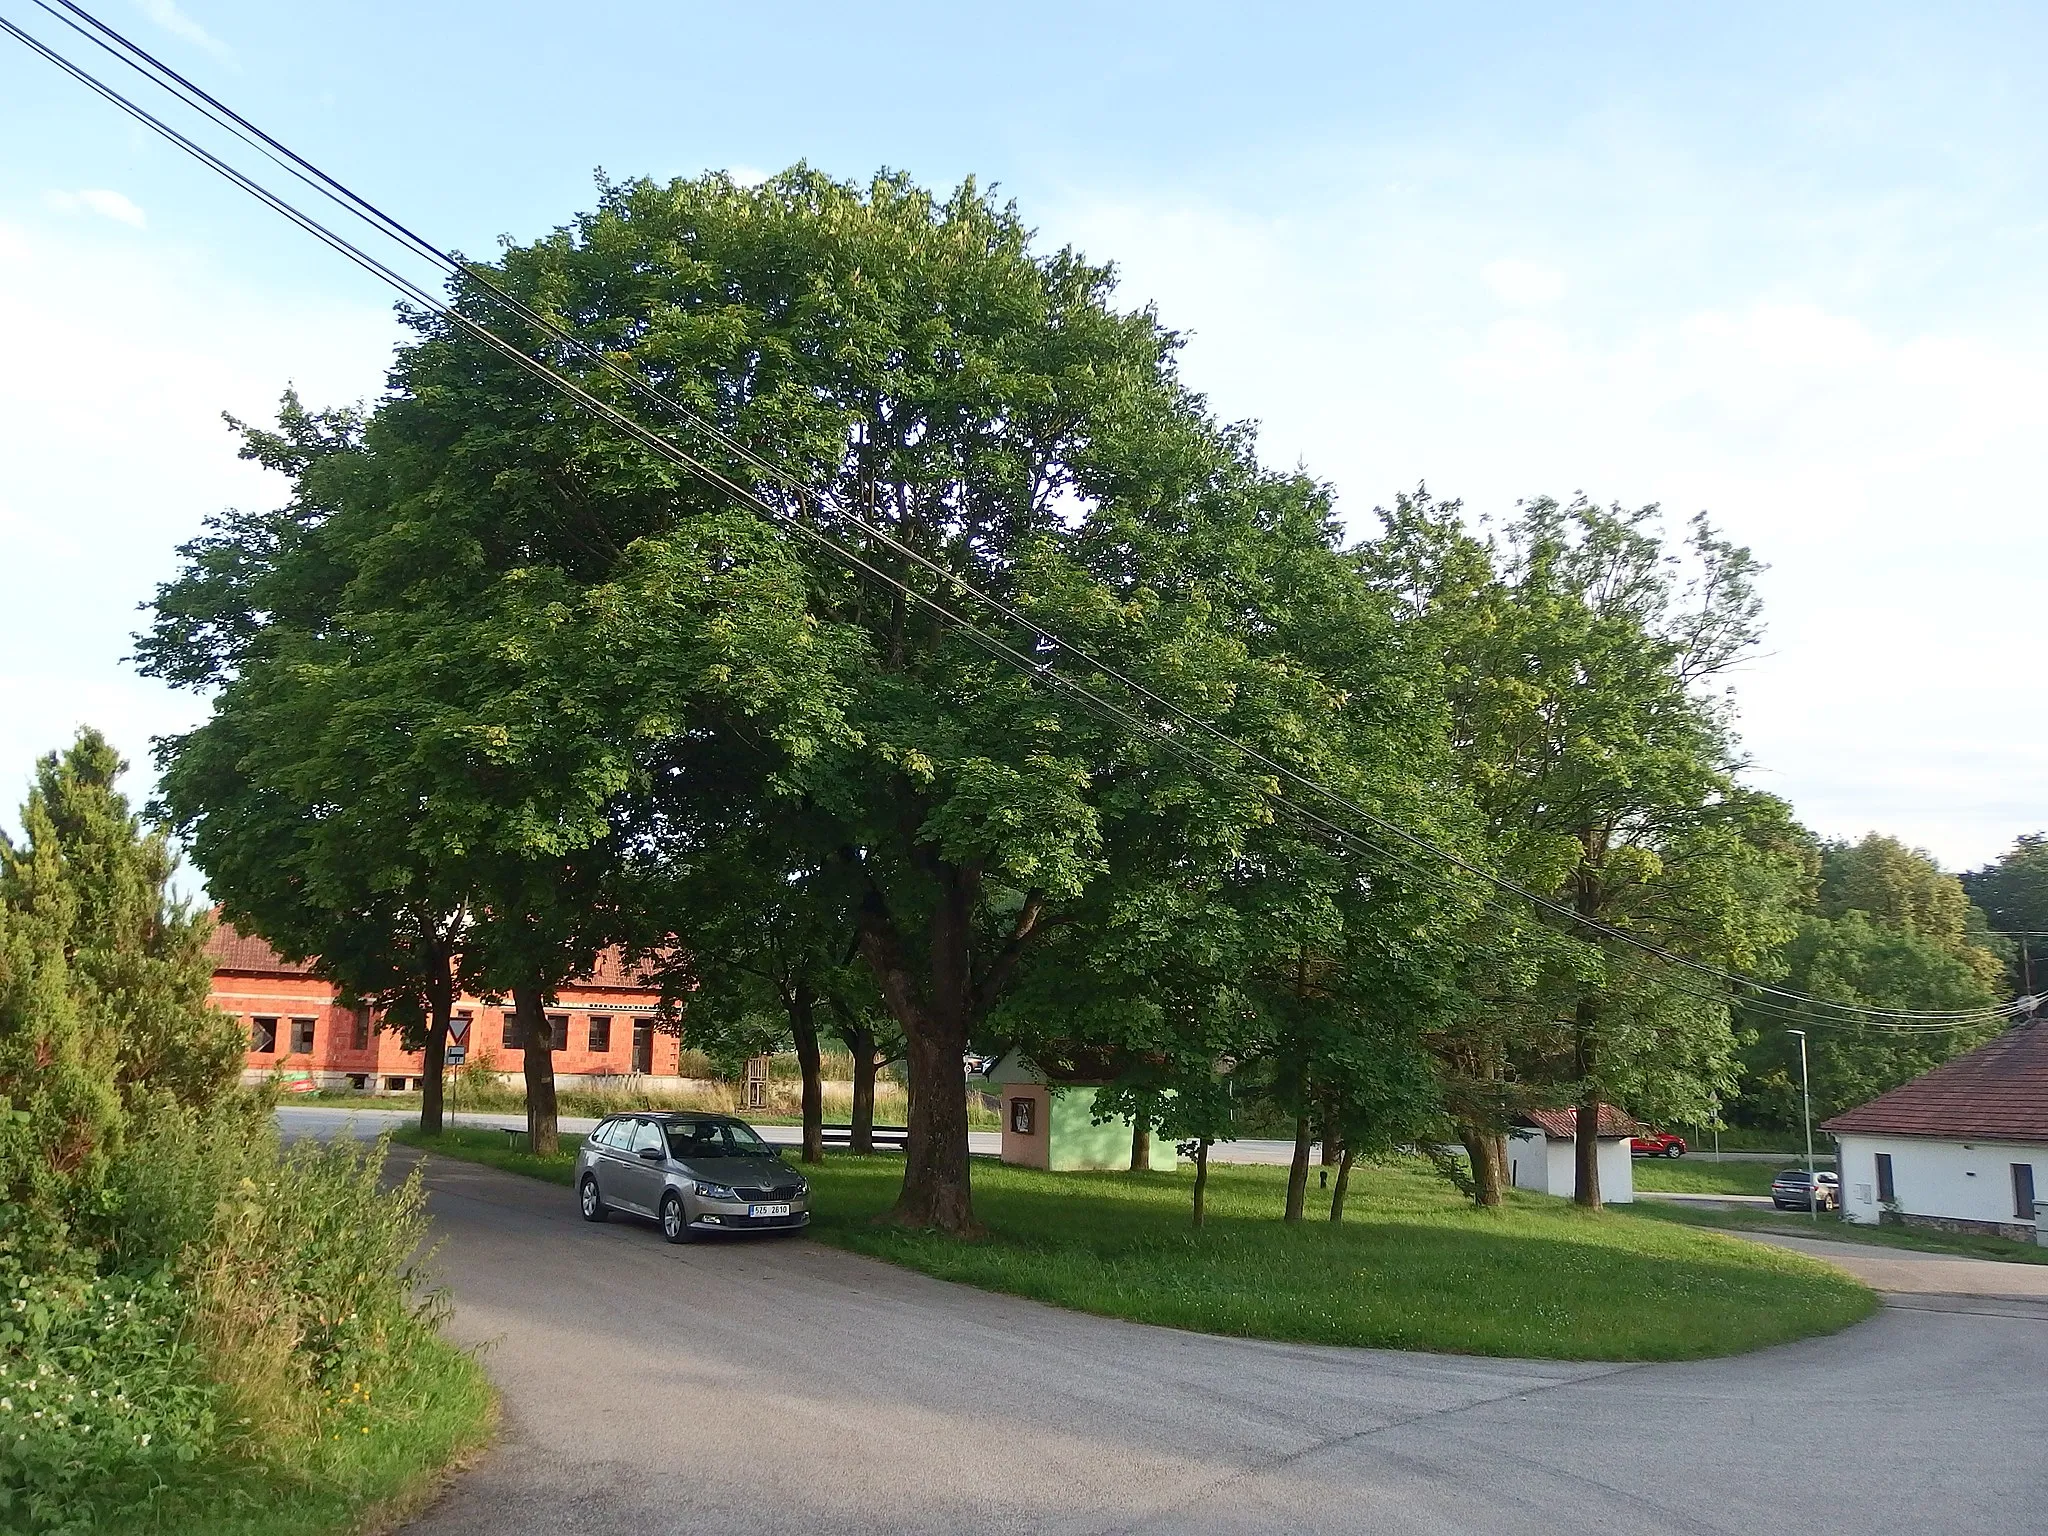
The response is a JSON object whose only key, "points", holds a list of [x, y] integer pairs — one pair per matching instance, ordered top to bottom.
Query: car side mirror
{"points": [[653, 1154]]}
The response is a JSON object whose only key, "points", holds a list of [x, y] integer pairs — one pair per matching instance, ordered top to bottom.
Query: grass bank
{"points": [[1687, 1177], [1831, 1228], [1412, 1266], [422, 1425]]}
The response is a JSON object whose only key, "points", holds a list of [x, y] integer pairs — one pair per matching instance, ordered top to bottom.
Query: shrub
{"points": [[101, 1397]]}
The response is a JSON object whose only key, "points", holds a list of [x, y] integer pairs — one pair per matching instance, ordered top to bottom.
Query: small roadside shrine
{"points": [[1048, 1115], [1543, 1155]]}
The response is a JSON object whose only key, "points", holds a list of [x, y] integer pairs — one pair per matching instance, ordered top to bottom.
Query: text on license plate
{"points": [[767, 1210]]}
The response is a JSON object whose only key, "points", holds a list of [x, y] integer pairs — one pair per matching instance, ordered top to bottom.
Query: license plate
{"points": [[767, 1210]]}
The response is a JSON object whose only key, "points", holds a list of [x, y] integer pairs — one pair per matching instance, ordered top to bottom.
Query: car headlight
{"points": [[717, 1192]]}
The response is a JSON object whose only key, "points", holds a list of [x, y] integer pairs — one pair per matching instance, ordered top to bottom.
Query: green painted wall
{"points": [[1077, 1143]]}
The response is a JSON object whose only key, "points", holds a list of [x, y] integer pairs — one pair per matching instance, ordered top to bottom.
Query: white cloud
{"points": [[166, 14], [747, 175], [107, 204], [1523, 284], [115, 451], [1891, 477]]}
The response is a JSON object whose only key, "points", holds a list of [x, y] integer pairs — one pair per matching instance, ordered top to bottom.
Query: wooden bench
{"points": [[887, 1138]]}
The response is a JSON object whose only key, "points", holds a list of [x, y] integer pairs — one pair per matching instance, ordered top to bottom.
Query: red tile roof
{"points": [[233, 950], [1998, 1092], [1563, 1124]]}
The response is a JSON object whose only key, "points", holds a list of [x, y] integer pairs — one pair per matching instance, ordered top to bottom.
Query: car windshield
{"points": [[691, 1140], [1792, 1176]]}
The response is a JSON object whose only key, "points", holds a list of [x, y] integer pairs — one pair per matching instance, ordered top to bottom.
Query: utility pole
{"points": [[1806, 1114]]}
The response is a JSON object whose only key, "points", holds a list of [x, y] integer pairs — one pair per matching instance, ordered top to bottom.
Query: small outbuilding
{"points": [[1049, 1115], [1962, 1148], [1543, 1155]]}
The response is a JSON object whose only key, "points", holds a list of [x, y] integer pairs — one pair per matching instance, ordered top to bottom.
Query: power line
{"points": [[115, 44]]}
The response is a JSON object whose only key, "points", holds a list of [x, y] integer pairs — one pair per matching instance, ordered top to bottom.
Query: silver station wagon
{"points": [[692, 1173]]}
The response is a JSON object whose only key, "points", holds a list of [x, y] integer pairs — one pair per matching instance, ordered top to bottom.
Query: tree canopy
{"points": [[500, 686]]}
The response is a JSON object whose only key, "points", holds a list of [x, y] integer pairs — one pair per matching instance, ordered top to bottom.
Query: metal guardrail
{"points": [[892, 1138]]}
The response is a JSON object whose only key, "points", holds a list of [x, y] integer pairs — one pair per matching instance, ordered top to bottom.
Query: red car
{"points": [[1657, 1144]]}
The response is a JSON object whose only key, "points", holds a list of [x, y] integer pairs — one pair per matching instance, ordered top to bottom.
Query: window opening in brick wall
{"points": [[359, 1031], [558, 1031], [601, 1032], [263, 1036], [302, 1037], [511, 1039], [643, 1046], [1020, 1116]]}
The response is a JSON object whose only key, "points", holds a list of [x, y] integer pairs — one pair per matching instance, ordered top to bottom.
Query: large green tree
{"points": [[993, 412], [1586, 678], [300, 843], [2012, 892], [1888, 930]]}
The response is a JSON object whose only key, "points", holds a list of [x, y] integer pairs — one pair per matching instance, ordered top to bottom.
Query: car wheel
{"points": [[1674, 1151], [590, 1201], [675, 1222]]}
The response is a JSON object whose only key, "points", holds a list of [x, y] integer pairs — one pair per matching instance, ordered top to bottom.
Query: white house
{"points": [[1963, 1147], [1542, 1155]]}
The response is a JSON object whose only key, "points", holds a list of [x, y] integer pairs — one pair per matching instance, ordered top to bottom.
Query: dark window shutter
{"points": [[2023, 1191], [1885, 1192]]}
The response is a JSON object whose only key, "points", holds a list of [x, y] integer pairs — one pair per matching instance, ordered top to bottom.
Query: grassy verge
{"points": [[473, 1144], [1707, 1178], [1833, 1229], [1411, 1267], [437, 1413]]}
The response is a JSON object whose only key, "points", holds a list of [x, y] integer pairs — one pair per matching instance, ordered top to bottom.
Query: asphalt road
{"points": [[754, 1387]]}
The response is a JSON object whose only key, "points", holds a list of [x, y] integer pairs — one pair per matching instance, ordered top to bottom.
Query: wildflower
{"points": [[6, 1405], [144, 1440]]}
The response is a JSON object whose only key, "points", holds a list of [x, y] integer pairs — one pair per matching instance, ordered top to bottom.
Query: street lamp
{"points": [[1806, 1114]]}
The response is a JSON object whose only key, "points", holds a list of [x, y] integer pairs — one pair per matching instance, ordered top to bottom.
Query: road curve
{"points": [[755, 1387]]}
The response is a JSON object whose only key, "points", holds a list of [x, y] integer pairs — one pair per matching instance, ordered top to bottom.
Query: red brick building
{"points": [[601, 1027]]}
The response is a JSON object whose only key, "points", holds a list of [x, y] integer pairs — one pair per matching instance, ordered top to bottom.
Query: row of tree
{"points": [[499, 689]]}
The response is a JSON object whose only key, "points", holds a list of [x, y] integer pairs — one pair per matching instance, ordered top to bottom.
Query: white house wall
{"points": [[1550, 1167], [1953, 1180]]}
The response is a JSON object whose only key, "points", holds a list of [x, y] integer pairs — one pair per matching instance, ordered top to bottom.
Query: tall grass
{"points": [[255, 1335]]}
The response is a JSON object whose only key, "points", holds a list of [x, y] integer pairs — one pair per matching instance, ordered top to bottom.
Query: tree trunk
{"points": [[440, 981], [529, 1003], [804, 1026], [1585, 1027], [863, 1046], [1141, 1138], [1586, 1143], [1487, 1164], [1297, 1173], [1201, 1175], [1343, 1184], [936, 1192]]}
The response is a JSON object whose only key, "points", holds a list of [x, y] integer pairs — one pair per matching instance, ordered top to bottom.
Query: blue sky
{"points": [[1780, 263]]}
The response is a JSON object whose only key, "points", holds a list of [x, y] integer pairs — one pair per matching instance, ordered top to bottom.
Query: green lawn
{"points": [[1688, 1177], [1412, 1267]]}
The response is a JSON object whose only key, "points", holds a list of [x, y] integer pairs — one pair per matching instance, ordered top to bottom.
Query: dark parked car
{"points": [[1657, 1144], [692, 1173], [1790, 1191]]}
